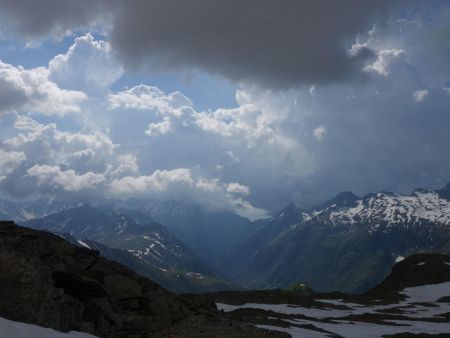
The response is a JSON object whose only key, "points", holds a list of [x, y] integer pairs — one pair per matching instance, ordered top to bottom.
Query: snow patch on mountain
{"points": [[384, 210], [83, 244], [419, 313], [12, 329]]}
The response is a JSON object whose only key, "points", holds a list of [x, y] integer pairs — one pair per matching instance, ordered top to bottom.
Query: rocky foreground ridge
{"points": [[47, 281]]}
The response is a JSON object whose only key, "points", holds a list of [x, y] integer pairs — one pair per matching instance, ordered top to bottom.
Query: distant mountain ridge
{"points": [[25, 210], [210, 234], [348, 243], [164, 258]]}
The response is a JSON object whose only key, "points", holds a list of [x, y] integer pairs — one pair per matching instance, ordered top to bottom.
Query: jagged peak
{"points": [[346, 196], [342, 199], [289, 209], [290, 212]]}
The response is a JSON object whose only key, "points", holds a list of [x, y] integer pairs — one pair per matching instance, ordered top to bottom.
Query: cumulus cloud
{"points": [[385, 58], [89, 64], [31, 90], [420, 95], [150, 98], [253, 119], [159, 128], [319, 133], [254, 137], [43, 142], [56, 157], [41, 159], [9, 160], [53, 179], [182, 182], [236, 188]]}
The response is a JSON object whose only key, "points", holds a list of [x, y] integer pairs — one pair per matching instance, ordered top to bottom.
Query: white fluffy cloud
{"points": [[385, 59], [89, 64], [31, 90], [420, 95], [150, 98], [159, 128], [260, 128], [319, 133], [43, 142], [41, 159], [10, 160], [53, 179], [186, 186], [236, 188]]}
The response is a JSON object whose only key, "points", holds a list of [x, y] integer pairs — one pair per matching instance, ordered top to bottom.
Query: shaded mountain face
{"points": [[445, 192], [208, 234], [347, 244], [159, 254], [47, 281], [413, 301]]}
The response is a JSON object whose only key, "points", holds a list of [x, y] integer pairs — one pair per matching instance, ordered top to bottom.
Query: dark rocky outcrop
{"points": [[415, 270], [49, 282]]}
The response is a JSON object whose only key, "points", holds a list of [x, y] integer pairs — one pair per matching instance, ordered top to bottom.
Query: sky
{"points": [[243, 106]]}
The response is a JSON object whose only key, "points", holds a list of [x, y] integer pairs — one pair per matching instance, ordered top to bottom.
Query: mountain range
{"points": [[348, 243]]}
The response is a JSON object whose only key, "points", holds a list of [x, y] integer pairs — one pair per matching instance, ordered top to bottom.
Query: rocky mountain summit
{"points": [[47, 281]]}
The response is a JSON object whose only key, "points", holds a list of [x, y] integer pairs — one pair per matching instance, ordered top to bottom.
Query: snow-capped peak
{"points": [[385, 209]]}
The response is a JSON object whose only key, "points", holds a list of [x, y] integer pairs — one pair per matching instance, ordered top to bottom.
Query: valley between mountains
{"points": [[346, 244]]}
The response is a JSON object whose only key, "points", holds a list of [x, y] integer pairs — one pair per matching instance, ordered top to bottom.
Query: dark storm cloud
{"points": [[33, 18], [278, 43]]}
